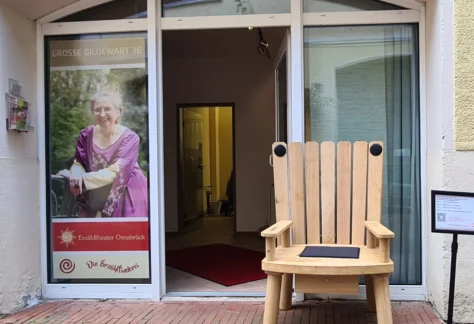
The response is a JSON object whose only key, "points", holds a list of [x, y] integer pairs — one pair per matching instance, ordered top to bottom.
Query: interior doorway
{"points": [[206, 162], [214, 215]]}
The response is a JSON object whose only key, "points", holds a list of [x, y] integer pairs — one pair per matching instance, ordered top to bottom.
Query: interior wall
{"points": [[238, 75], [206, 148], [225, 150], [215, 158], [20, 283]]}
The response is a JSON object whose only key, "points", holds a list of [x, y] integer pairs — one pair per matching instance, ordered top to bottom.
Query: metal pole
{"points": [[454, 252]]}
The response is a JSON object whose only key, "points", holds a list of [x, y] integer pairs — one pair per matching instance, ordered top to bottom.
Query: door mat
{"points": [[221, 263]]}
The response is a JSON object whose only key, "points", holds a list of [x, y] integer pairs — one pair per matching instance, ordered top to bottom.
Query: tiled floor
{"points": [[210, 230], [212, 312]]}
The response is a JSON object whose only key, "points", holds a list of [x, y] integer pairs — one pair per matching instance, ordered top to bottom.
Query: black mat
{"points": [[330, 252]]}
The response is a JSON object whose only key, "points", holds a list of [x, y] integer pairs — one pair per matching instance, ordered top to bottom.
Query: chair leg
{"points": [[369, 287], [286, 291], [272, 298], [382, 299]]}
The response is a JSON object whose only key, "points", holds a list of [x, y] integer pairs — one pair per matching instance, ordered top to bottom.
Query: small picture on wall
{"points": [[177, 3]]}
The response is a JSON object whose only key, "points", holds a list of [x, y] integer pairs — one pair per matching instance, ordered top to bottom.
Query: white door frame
{"points": [[154, 25], [285, 49]]}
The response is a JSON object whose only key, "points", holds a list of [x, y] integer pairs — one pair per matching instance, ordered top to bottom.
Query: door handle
{"points": [[270, 160]]}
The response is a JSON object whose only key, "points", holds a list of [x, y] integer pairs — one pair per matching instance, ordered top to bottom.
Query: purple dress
{"points": [[128, 195]]}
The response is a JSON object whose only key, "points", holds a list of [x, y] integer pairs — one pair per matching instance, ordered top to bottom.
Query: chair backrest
{"points": [[329, 190]]}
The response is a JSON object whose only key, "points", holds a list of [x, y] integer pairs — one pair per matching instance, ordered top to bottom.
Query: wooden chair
{"points": [[321, 187]]}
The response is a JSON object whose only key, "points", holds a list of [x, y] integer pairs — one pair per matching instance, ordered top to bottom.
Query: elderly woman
{"points": [[105, 175]]}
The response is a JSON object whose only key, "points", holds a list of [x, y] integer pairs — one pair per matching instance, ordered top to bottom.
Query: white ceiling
{"points": [[35, 9]]}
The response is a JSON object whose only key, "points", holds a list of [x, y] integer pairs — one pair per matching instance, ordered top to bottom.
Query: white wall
{"points": [[207, 71], [447, 169], [19, 174]]}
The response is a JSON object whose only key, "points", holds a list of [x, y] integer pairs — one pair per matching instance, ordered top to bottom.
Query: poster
{"points": [[98, 157], [453, 212]]}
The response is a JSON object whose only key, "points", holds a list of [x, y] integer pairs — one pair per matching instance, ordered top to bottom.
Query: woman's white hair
{"points": [[113, 93]]}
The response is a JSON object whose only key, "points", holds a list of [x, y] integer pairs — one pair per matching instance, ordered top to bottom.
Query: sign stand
{"points": [[452, 213], [452, 277]]}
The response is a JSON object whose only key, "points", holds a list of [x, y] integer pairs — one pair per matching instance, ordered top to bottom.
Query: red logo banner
{"points": [[100, 236]]}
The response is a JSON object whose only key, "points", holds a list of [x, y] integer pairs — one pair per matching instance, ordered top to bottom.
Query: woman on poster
{"points": [[105, 176]]}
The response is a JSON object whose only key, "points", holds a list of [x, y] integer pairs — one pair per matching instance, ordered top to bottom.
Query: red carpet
{"points": [[224, 264]]}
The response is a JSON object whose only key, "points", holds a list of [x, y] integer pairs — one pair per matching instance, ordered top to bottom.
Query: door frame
{"points": [[284, 50], [180, 106]]}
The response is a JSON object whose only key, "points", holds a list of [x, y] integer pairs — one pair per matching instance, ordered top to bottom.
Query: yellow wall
{"points": [[464, 74], [225, 147], [206, 148], [217, 149], [215, 161]]}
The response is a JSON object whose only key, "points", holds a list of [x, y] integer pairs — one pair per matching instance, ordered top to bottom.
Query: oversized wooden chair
{"points": [[333, 193]]}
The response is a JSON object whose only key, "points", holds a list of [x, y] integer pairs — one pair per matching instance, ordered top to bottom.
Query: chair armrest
{"points": [[277, 229], [378, 230]]}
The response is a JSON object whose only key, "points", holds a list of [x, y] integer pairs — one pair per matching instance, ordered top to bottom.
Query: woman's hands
{"points": [[75, 181]]}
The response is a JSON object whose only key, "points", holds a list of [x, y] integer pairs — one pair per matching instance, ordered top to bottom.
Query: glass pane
{"points": [[346, 5], [195, 8], [118, 9], [361, 83], [282, 103], [97, 149]]}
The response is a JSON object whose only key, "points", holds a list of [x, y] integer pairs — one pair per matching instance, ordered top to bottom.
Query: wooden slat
{"points": [[295, 159], [344, 165], [280, 175], [312, 192], [359, 192], [374, 192], [328, 195], [347, 285]]}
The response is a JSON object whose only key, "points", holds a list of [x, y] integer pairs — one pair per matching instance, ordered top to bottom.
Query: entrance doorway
{"points": [[218, 180]]}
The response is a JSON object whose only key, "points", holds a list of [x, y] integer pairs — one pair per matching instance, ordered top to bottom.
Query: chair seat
{"points": [[288, 261]]}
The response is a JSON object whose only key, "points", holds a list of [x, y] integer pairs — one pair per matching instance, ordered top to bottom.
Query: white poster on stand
{"points": [[453, 212]]}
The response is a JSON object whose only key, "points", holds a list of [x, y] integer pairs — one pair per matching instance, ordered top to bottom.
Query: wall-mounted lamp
{"points": [[262, 47]]}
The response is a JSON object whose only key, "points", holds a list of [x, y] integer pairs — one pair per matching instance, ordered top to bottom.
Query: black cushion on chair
{"points": [[280, 150], [330, 252]]}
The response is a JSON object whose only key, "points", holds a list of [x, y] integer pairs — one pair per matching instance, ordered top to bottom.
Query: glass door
{"points": [[282, 66], [361, 84], [282, 89], [97, 158]]}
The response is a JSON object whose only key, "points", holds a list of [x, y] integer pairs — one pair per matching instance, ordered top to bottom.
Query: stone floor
{"points": [[212, 312]]}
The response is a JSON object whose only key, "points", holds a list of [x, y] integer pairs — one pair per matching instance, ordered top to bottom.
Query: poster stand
{"points": [[452, 213], [452, 277]]}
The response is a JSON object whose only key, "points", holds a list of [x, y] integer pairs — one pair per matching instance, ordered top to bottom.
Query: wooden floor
{"points": [[210, 230], [212, 312]]}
